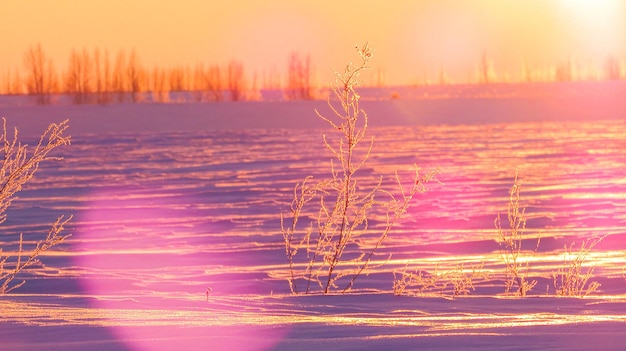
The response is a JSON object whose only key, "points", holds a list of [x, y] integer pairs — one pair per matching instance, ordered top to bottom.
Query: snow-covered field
{"points": [[170, 200]]}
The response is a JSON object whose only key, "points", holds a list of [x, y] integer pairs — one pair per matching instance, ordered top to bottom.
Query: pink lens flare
{"points": [[151, 269]]}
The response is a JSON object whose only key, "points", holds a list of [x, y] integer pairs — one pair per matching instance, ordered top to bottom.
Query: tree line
{"points": [[562, 71], [97, 76]]}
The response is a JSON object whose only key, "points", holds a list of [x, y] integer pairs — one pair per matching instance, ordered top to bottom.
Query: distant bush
{"points": [[17, 167], [331, 250]]}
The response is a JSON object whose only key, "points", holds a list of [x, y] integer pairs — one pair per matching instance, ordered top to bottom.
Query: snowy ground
{"points": [[171, 199]]}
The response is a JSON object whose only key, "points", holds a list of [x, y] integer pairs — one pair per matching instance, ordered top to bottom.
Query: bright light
{"points": [[592, 4], [592, 10], [596, 25]]}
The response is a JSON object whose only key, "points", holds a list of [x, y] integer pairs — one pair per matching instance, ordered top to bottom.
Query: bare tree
{"points": [[612, 69], [564, 71], [526, 72], [102, 73], [486, 74], [443, 76], [79, 77], [135, 77], [177, 78], [299, 78], [380, 78], [41, 79], [118, 79], [271, 79], [236, 80], [13, 83], [197, 83], [207, 83], [213, 83], [99, 85], [158, 86], [254, 93]]}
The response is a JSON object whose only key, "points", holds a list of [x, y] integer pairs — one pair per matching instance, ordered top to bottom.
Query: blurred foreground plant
{"points": [[17, 168], [332, 249]]}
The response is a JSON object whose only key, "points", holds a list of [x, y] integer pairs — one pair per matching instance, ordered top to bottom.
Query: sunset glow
{"points": [[414, 40], [312, 175]]}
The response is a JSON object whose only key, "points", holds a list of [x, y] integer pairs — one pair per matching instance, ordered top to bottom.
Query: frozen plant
{"points": [[17, 167], [510, 241], [332, 251], [570, 279], [462, 280], [454, 282], [414, 283]]}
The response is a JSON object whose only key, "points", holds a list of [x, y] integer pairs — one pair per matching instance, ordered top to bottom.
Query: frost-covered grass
{"points": [[18, 165], [345, 201]]}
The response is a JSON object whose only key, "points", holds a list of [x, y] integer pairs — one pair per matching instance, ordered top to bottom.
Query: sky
{"points": [[413, 39]]}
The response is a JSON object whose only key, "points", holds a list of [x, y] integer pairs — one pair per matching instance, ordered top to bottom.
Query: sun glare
{"points": [[586, 6], [597, 12], [595, 25]]}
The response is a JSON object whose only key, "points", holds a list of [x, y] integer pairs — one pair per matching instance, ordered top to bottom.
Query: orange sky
{"points": [[411, 37]]}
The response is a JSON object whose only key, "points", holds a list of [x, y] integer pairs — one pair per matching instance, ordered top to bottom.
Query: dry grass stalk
{"points": [[16, 168], [345, 204], [53, 238], [510, 241], [463, 280], [570, 280], [454, 282], [414, 283]]}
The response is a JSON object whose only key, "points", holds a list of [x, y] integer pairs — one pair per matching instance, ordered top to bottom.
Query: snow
{"points": [[468, 105], [170, 200]]}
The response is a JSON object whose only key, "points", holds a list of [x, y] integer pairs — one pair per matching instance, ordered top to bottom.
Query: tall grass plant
{"points": [[18, 166], [330, 253]]}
